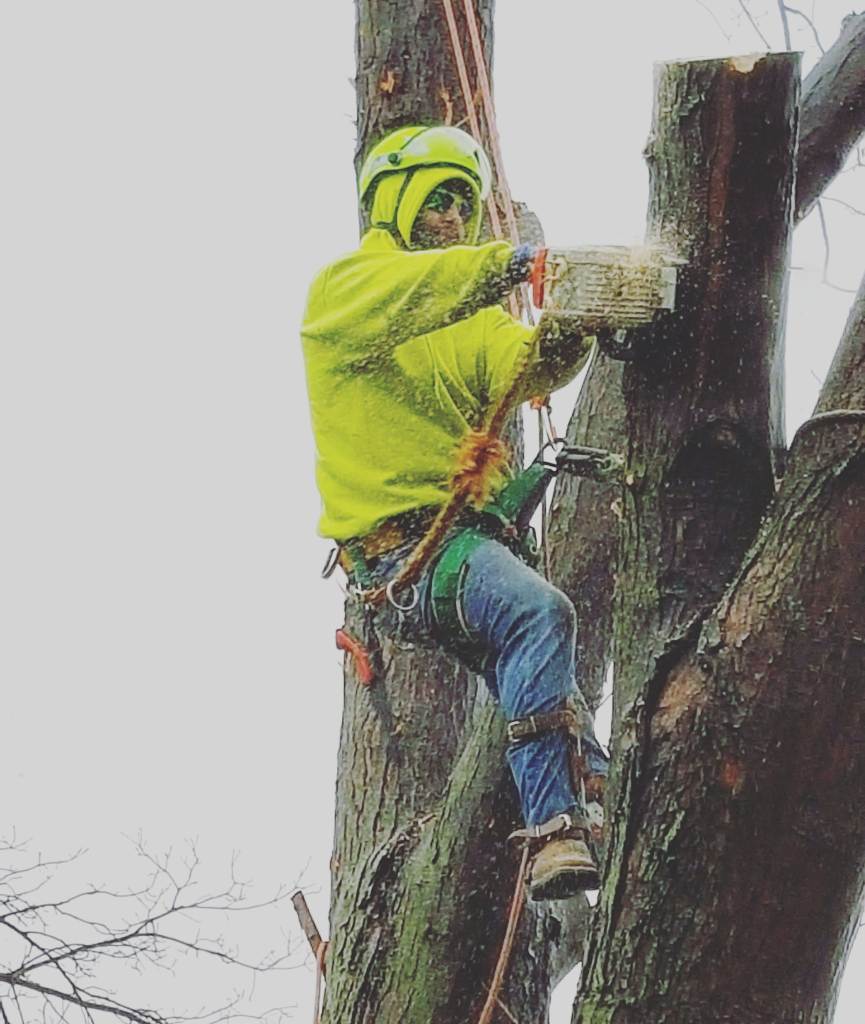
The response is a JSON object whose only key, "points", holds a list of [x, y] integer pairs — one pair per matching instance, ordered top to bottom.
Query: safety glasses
{"points": [[441, 199]]}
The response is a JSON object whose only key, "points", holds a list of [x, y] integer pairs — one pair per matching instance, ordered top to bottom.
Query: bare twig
{"points": [[716, 19], [809, 22], [754, 24], [846, 205], [827, 252], [72, 937], [136, 1016]]}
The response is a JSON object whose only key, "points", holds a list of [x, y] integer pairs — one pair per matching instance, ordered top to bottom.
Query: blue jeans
{"points": [[528, 629]]}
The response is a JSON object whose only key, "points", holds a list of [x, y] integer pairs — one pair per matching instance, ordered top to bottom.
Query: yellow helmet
{"points": [[417, 146], [401, 171]]}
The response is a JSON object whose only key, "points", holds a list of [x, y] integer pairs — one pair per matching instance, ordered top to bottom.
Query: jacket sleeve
{"points": [[368, 303], [551, 354]]}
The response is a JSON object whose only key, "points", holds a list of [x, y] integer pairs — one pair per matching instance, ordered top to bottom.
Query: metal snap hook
{"points": [[331, 563], [389, 593]]}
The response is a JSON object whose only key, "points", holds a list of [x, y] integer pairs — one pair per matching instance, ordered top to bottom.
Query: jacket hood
{"points": [[399, 197]]}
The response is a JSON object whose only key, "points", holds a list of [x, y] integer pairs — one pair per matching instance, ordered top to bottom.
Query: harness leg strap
{"points": [[572, 721], [525, 728], [561, 823]]}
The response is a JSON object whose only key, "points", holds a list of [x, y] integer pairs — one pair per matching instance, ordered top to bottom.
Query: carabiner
{"points": [[331, 563], [389, 593]]}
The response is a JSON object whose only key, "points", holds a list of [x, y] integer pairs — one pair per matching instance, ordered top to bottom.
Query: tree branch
{"points": [[809, 22], [754, 24], [833, 113]]}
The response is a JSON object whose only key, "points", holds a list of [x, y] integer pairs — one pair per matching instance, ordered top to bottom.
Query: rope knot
{"points": [[481, 462]]}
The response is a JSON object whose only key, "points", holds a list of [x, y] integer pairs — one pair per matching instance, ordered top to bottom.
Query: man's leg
{"points": [[530, 629]]}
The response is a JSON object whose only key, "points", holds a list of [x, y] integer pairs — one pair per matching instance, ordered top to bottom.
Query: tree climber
{"points": [[406, 346]]}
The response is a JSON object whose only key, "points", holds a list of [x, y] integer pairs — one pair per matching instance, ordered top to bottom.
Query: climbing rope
{"points": [[517, 903]]}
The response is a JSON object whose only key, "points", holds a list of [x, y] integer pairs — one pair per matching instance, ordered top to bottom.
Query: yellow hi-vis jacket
{"points": [[405, 351]]}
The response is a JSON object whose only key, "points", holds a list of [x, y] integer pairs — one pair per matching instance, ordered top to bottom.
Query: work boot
{"points": [[562, 867]]}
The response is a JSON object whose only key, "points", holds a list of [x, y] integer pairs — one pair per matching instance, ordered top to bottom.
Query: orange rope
{"points": [[462, 71], [489, 111], [474, 124], [498, 161], [517, 903]]}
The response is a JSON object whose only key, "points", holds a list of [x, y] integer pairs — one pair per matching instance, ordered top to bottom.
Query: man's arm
{"points": [[369, 302], [553, 353]]}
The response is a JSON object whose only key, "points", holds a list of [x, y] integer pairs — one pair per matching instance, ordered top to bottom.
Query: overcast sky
{"points": [[174, 174]]}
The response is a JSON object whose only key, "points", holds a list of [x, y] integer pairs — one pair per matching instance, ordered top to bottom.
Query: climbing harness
{"points": [[506, 519], [569, 719], [514, 913]]}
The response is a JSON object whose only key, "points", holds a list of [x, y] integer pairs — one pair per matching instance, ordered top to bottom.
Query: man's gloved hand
{"points": [[528, 264], [537, 277]]}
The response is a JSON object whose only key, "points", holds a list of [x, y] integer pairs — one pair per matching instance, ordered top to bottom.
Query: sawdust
{"points": [[746, 63]]}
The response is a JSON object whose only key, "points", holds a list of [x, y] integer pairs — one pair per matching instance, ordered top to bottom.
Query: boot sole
{"points": [[565, 883]]}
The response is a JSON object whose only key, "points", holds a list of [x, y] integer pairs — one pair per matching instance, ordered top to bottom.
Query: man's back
{"points": [[403, 357]]}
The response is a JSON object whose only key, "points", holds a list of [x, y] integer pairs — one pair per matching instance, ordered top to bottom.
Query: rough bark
{"points": [[703, 397], [583, 523], [749, 781], [737, 857], [421, 872]]}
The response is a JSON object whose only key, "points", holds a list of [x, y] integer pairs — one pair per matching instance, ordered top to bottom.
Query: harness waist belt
{"points": [[389, 534]]}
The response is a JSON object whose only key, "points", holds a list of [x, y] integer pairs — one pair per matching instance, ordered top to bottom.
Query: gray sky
{"points": [[174, 175]]}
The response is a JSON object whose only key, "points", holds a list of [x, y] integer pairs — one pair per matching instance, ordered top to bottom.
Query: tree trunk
{"points": [[583, 522], [736, 857], [421, 873], [738, 894]]}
